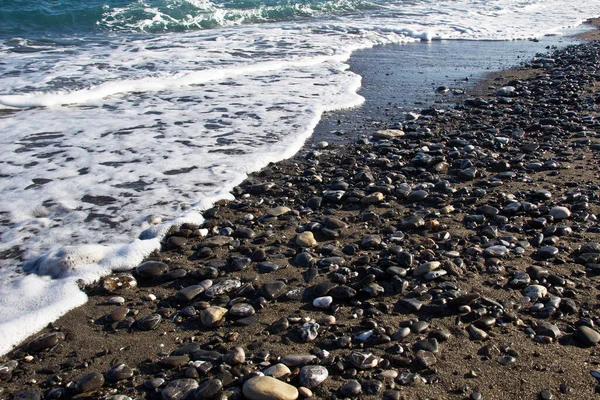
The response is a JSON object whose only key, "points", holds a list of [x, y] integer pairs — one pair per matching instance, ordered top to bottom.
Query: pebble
{"points": [[559, 213], [306, 239], [152, 269], [272, 290], [535, 292], [323, 302], [212, 316], [149, 322], [587, 336], [45, 341], [278, 371], [119, 372], [312, 376], [90, 382], [268, 388], [351, 388], [179, 389], [208, 389]]}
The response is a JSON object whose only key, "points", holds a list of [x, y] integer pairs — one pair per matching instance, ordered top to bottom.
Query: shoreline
{"points": [[148, 348]]}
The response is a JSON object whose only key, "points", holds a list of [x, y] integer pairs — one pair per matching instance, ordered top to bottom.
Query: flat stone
{"points": [[277, 211], [560, 213], [217, 241], [496, 251], [546, 252], [426, 267], [152, 269], [272, 290], [190, 292], [410, 304], [241, 310], [149, 322], [548, 329], [476, 333], [587, 336], [45, 341], [297, 360], [278, 371], [119, 372], [312, 376], [90, 382], [268, 388], [179, 389], [208, 389]]}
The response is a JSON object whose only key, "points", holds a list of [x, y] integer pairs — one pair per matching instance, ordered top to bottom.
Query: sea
{"points": [[121, 118]]}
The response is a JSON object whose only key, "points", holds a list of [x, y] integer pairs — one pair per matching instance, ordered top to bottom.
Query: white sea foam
{"points": [[118, 139]]}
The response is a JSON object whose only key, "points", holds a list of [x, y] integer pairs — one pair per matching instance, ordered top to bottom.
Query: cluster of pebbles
{"points": [[434, 259]]}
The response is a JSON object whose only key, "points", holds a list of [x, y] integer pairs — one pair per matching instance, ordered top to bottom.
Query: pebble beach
{"points": [[452, 255]]}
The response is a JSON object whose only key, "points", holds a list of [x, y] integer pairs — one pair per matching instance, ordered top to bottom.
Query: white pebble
{"points": [[323, 302]]}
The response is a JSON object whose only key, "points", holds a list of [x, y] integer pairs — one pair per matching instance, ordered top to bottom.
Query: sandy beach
{"points": [[442, 253]]}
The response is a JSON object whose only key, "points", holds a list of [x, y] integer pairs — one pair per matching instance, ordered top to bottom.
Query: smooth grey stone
{"points": [[334, 223], [244, 233], [370, 241], [591, 247], [496, 251], [547, 252], [304, 259], [266, 267], [152, 269], [520, 279], [323, 288], [272, 290], [190, 292], [342, 293], [410, 304], [242, 310], [149, 322], [280, 325], [419, 327], [548, 329], [476, 333], [587, 336], [45, 341], [430, 345], [188, 348], [425, 359], [297, 360], [363, 360], [119, 372], [312, 376], [90, 382], [372, 386], [351, 388], [179, 389], [208, 389], [30, 394]]}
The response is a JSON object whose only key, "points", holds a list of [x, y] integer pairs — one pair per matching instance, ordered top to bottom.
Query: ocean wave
{"points": [[185, 15]]}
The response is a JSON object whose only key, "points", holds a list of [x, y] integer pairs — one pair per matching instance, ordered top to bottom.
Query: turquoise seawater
{"points": [[78, 16]]}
